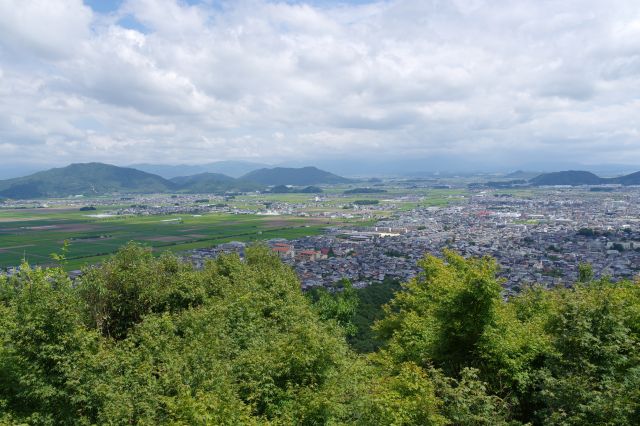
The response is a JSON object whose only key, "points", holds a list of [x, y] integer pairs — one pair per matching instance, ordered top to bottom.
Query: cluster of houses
{"points": [[540, 239]]}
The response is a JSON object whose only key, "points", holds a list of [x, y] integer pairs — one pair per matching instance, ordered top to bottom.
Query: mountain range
{"points": [[230, 168], [92, 179]]}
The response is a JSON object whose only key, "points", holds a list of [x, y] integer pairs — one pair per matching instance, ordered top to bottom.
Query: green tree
{"points": [[440, 315]]}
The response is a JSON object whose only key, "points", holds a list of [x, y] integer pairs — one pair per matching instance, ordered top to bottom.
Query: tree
{"points": [[585, 273], [339, 305], [440, 315]]}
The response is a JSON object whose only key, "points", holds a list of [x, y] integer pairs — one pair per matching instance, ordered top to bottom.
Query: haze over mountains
{"points": [[230, 168], [287, 176], [98, 179]]}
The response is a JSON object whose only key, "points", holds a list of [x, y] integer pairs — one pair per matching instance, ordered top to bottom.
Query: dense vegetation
{"points": [[284, 189], [366, 202], [144, 340]]}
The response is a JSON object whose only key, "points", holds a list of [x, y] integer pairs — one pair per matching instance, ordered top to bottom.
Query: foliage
{"points": [[364, 191], [366, 202], [371, 300], [339, 305], [441, 314], [150, 340]]}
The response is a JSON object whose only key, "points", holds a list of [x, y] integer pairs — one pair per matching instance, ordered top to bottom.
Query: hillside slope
{"points": [[230, 168], [294, 176], [569, 177], [576, 178], [83, 179], [213, 182]]}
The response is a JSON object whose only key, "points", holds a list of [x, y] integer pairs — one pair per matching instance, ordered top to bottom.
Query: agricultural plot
{"points": [[34, 235]]}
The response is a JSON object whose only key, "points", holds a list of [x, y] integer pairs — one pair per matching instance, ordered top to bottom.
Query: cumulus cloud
{"points": [[176, 82]]}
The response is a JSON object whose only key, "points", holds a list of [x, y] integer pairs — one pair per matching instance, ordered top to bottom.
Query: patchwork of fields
{"points": [[36, 233]]}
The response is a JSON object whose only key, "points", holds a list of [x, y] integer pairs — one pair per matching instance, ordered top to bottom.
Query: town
{"points": [[541, 238]]}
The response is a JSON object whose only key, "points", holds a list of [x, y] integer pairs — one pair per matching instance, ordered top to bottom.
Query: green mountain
{"points": [[294, 176], [570, 177], [576, 178], [83, 179], [631, 179], [213, 182]]}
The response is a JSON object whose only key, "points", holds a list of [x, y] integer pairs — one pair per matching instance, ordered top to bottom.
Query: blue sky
{"points": [[443, 83]]}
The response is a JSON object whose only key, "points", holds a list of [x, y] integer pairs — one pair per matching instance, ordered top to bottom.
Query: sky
{"points": [[419, 84]]}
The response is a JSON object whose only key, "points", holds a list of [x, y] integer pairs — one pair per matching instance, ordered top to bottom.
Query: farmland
{"points": [[34, 230], [35, 234]]}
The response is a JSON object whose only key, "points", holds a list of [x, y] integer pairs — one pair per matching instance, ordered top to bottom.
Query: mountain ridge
{"points": [[230, 168], [294, 176], [581, 177], [83, 179], [92, 179], [214, 182]]}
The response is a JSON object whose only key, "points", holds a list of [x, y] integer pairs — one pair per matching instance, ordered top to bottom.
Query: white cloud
{"points": [[46, 28], [290, 81]]}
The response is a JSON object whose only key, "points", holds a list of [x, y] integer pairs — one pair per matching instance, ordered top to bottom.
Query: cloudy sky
{"points": [[461, 81]]}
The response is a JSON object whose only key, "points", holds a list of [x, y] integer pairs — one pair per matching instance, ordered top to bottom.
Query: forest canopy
{"points": [[151, 340]]}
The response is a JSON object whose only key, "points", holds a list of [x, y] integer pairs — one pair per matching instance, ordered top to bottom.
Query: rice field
{"points": [[33, 235]]}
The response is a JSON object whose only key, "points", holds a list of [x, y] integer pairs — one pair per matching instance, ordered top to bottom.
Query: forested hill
{"points": [[294, 176], [570, 177], [577, 178], [83, 179], [90, 179], [214, 182], [149, 340]]}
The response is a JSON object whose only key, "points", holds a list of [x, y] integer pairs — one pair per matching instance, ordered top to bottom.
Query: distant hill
{"points": [[230, 168], [521, 174], [294, 176], [570, 177], [575, 178], [83, 179], [632, 179], [213, 182]]}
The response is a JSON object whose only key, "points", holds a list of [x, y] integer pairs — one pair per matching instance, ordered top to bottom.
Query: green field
{"points": [[33, 234]]}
